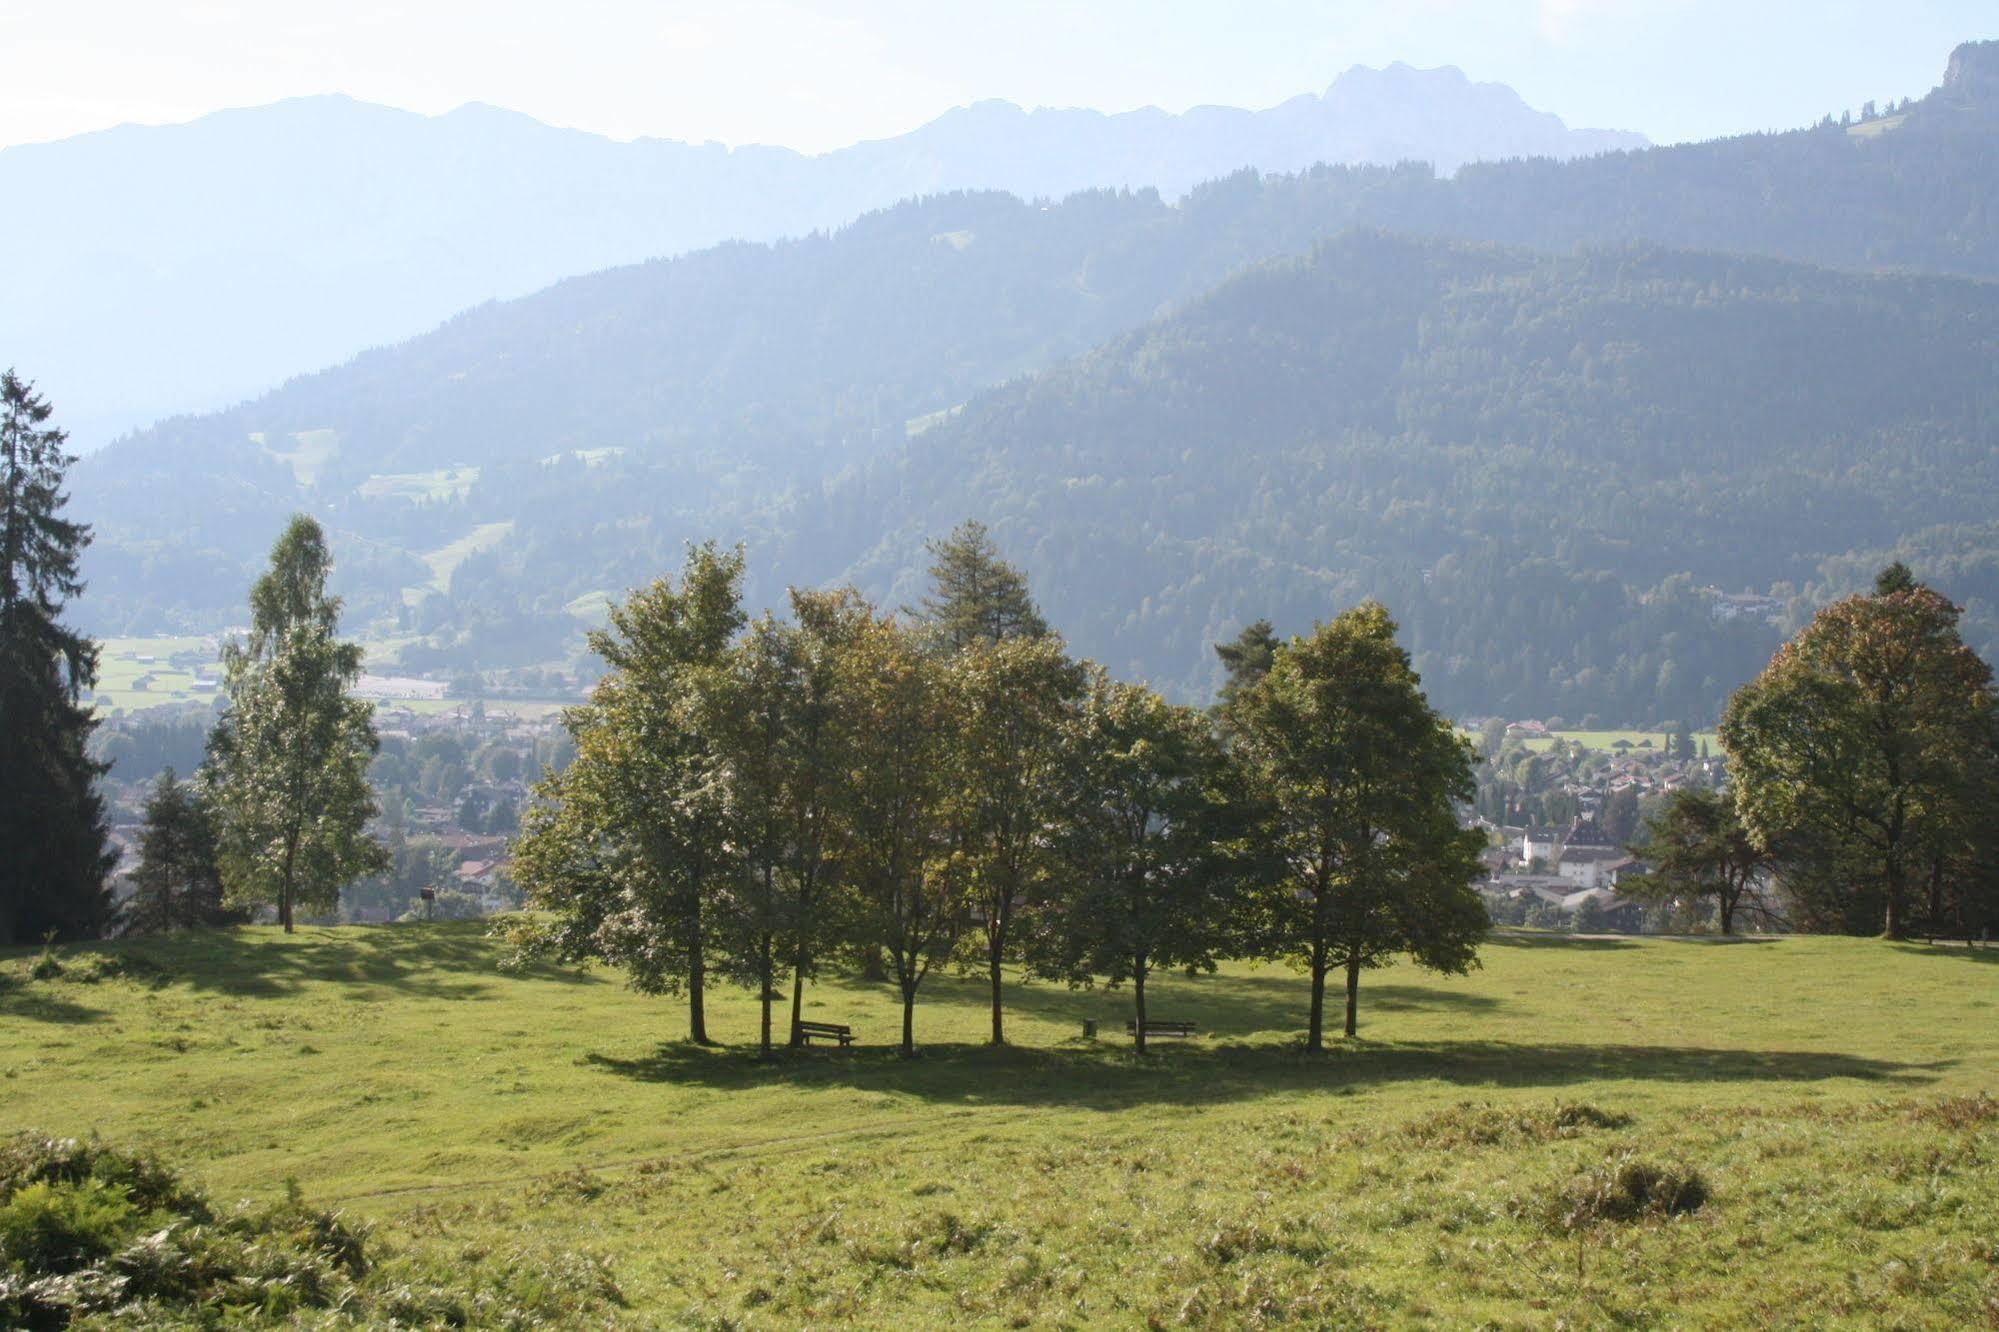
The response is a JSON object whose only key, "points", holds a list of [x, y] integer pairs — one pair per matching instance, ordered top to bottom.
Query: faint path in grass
{"points": [[775, 1146]]}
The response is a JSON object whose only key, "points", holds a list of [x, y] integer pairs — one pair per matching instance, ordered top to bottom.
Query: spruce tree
{"points": [[288, 762], [55, 863], [178, 882]]}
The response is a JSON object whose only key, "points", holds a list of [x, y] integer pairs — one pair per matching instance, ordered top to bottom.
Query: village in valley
{"points": [[453, 773], [1561, 811]]}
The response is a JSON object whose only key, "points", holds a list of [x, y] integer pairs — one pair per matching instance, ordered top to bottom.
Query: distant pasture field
{"points": [[134, 673], [128, 682], [1608, 740], [1831, 1095]]}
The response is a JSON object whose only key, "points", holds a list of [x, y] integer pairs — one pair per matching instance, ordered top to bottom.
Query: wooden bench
{"points": [[1154, 1027], [807, 1032]]}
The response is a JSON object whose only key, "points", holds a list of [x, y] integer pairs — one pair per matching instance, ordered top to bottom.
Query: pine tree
{"points": [[976, 595], [288, 762], [55, 863], [178, 883]]}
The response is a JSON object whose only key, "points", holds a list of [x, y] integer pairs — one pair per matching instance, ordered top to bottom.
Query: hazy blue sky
{"points": [[815, 74]]}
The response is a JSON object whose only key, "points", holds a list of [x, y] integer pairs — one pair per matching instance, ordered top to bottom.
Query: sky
{"points": [[818, 74]]}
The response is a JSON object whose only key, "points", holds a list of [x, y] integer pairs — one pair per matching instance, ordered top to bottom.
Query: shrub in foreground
{"points": [[91, 1235]]}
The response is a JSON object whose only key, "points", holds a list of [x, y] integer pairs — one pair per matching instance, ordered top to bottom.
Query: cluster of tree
{"points": [[614, 415], [1865, 767], [752, 800], [278, 813]]}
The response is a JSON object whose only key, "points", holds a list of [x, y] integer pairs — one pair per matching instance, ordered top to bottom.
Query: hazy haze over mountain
{"points": [[178, 268]]}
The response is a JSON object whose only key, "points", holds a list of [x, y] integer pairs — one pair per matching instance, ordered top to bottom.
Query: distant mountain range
{"points": [[164, 270], [1538, 451]]}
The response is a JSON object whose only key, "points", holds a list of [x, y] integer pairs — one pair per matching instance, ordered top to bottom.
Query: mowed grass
{"points": [[1828, 1092]]}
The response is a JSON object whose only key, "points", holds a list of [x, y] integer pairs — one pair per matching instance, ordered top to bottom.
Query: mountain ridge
{"points": [[163, 285]]}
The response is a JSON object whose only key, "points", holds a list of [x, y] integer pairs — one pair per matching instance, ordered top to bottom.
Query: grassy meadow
{"points": [[1829, 1093]]}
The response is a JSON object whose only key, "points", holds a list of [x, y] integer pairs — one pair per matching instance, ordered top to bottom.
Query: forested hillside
{"points": [[1520, 453], [1538, 462]]}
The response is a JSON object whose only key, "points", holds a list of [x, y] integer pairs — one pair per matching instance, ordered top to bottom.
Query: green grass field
{"points": [[1828, 1091]]}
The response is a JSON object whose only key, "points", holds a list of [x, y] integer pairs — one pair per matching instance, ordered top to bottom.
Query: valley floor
{"points": [[1831, 1094]]}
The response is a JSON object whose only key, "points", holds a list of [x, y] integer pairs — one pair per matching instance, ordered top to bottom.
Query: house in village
{"points": [[1592, 866]]}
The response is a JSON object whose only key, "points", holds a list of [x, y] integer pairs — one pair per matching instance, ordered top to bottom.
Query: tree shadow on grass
{"points": [[1569, 942], [1987, 954], [447, 960], [33, 1002], [1225, 1005], [1111, 1077]]}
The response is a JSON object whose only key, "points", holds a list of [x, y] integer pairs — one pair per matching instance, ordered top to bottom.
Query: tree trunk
{"points": [[285, 882], [1727, 904], [1891, 923], [798, 963], [873, 968], [764, 994], [1353, 994], [1138, 995], [697, 1015], [908, 1021], [999, 1029], [1314, 1038]]}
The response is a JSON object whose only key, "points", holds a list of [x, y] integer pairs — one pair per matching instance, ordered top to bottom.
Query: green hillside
{"points": [[1540, 463], [1828, 1092]]}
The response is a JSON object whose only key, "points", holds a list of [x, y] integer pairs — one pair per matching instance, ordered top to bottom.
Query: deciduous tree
{"points": [[1014, 697], [1866, 748], [287, 770], [1362, 781], [895, 808], [1698, 849], [625, 850], [1147, 877]]}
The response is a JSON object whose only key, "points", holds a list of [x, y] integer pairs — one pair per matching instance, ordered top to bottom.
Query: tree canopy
{"points": [[1868, 751], [1362, 782]]}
